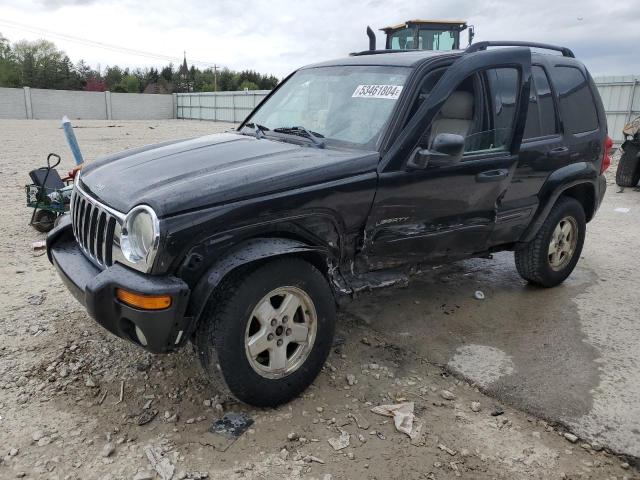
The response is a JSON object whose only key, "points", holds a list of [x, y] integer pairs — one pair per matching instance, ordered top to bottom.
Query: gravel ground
{"points": [[61, 377]]}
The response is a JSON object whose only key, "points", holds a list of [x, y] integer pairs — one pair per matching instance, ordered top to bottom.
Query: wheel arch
{"points": [[578, 181], [585, 193], [254, 252]]}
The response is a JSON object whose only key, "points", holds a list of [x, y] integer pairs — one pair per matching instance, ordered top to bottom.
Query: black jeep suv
{"points": [[349, 173]]}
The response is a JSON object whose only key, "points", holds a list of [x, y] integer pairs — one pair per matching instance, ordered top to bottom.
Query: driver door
{"points": [[445, 211]]}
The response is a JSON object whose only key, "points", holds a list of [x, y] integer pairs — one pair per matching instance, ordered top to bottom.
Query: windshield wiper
{"points": [[258, 129], [303, 132]]}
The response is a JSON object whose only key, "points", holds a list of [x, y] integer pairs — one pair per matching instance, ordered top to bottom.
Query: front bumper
{"points": [[162, 330]]}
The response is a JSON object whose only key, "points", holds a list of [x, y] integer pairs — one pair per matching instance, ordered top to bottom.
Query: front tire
{"points": [[551, 256], [267, 332]]}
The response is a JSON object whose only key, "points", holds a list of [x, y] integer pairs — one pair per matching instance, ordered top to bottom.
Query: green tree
{"points": [[5, 48], [40, 64], [9, 68], [167, 73], [113, 77], [130, 83], [248, 85]]}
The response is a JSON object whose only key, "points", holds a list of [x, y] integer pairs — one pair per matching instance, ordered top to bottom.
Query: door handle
{"points": [[558, 152], [492, 175]]}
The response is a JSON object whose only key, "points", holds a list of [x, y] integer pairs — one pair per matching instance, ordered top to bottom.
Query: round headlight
{"points": [[140, 234]]}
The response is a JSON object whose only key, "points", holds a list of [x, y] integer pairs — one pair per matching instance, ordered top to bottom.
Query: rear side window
{"points": [[504, 85], [576, 101], [541, 115]]}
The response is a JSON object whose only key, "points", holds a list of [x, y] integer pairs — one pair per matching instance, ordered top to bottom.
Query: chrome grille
{"points": [[94, 227]]}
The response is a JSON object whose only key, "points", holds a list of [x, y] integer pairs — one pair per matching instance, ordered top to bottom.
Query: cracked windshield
{"points": [[349, 104]]}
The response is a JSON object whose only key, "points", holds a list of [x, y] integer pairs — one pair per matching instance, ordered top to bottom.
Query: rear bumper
{"points": [[162, 330]]}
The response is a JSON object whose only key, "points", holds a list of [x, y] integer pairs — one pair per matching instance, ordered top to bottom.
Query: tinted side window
{"points": [[503, 86], [576, 101], [541, 115]]}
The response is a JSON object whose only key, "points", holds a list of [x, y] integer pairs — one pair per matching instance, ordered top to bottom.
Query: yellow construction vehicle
{"points": [[423, 35]]}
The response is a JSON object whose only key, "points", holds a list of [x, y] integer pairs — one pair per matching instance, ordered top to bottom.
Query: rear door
{"points": [[542, 151], [448, 211]]}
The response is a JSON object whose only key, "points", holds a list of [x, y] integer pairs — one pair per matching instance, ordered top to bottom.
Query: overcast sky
{"points": [[277, 37]]}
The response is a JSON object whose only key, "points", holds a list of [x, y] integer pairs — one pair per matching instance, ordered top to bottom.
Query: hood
{"points": [[189, 174]]}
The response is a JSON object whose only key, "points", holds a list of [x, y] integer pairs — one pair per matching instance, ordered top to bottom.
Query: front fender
{"points": [[559, 181], [245, 253]]}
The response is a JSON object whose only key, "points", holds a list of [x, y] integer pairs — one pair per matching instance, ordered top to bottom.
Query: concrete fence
{"points": [[620, 95], [621, 98], [34, 103], [218, 106]]}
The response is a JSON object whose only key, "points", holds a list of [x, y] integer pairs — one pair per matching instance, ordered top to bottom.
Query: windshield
{"points": [[437, 40], [350, 104]]}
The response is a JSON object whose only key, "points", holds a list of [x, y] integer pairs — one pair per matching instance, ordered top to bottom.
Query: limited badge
{"points": [[391, 92]]}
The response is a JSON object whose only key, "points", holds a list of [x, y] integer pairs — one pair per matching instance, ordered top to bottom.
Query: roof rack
{"points": [[478, 46]]}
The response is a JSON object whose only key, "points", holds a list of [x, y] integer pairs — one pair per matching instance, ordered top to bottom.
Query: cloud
{"points": [[53, 4]]}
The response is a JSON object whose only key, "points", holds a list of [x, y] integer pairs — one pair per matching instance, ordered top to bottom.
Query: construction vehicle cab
{"points": [[426, 35]]}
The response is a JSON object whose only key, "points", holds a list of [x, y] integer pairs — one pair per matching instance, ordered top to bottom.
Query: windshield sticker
{"points": [[392, 92]]}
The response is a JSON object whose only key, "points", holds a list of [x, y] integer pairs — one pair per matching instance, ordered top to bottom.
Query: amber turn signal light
{"points": [[143, 302]]}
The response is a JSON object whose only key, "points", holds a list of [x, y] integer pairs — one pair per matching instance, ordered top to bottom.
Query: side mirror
{"points": [[446, 150]]}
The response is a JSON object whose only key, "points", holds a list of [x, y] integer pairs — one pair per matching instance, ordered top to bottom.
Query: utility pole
{"points": [[215, 77]]}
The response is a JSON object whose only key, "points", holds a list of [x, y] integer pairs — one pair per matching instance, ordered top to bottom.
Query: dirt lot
{"points": [[568, 355]]}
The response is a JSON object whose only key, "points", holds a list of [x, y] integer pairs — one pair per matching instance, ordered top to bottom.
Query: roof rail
{"points": [[478, 46]]}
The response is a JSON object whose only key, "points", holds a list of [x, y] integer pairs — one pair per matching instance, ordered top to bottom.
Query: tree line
{"points": [[40, 64]]}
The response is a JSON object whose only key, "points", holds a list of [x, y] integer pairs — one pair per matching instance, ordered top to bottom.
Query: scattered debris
{"points": [[622, 210], [39, 245], [479, 295], [36, 299], [351, 379], [90, 382], [121, 393], [104, 395], [447, 395], [476, 407], [497, 411], [402, 414], [146, 416], [361, 422], [232, 424], [230, 428], [416, 434], [571, 437], [338, 443], [444, 448], [108, 450], [311, 458], [161, 464], [144, 475]]}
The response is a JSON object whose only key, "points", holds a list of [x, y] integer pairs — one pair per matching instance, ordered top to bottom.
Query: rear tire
{"points": [[628, 171], [550, 257], [267, 332]]}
